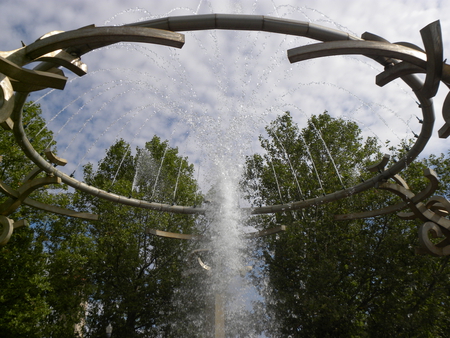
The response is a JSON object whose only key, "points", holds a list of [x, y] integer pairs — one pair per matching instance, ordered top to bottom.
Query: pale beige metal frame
{"points": [[401, 60]]}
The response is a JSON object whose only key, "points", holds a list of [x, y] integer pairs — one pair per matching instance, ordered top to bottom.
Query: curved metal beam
{"points": [[247, 23], [84, 40], [432, 40], [340, 43], [367, 48], [64, 59], [397, 70], [34, 77], [6, 101], [444, 132], [32, 154], [54, 159], [380, 165], [400, 188], [24, 190], [14, 195], [439, 205], [372, 213], [7, 229], [267, 232], [173, 235], [250, 235], [440, 249]]}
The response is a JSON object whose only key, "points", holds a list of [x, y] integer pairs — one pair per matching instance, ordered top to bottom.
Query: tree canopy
{"points": [[66, 275], [126, 276], [320, 278], [329, 278], [25, 283]]}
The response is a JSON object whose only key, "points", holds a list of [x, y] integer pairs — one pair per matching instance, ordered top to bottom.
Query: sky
{"points": [[212, 98]]}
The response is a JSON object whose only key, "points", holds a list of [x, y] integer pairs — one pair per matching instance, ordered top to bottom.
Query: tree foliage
{"points": [[132, 275], [64, 276], [324, 278], [329, 278], [25, 284]]}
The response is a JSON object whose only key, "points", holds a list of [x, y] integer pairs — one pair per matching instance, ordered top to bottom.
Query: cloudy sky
{"points": [[213, 97]]}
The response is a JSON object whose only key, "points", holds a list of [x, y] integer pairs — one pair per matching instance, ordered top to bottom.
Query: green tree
{"points": [[69, 249], [59, 268], [131, 275], [329, 278], [25, 283]]}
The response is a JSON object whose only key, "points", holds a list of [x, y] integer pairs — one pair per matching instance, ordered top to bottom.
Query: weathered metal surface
{"points": [[247, 22], [432, 40], [82, 41], [74, 42], [368, 48], [62, 58], [401, 60], [396, 71], [34, 77], [6, 101], [444, 132], [54, 159], [380, 165], [400, 186], [24, 190], [19, 196], [433, 213], [7, 229], [432, 229], [266, 232], [173, 235], [251, 235], [219, 316]]}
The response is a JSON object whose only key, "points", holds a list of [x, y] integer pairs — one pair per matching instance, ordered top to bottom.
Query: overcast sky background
{"points": [[213, 97]]}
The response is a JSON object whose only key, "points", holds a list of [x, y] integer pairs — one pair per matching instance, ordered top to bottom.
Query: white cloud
{"points": [[218, 77]]}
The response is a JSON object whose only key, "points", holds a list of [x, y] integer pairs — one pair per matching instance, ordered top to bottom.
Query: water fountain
{"points": [[65, 49]]}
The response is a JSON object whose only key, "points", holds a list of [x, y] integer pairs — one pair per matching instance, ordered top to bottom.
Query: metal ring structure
{"points": [[162, 31], [7, 229]]}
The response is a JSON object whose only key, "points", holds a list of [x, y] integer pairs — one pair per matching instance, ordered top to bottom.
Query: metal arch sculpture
{"points": [[401, 60]]}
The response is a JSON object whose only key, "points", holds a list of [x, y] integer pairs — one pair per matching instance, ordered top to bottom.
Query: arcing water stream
{"points": [[210, 100]]}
